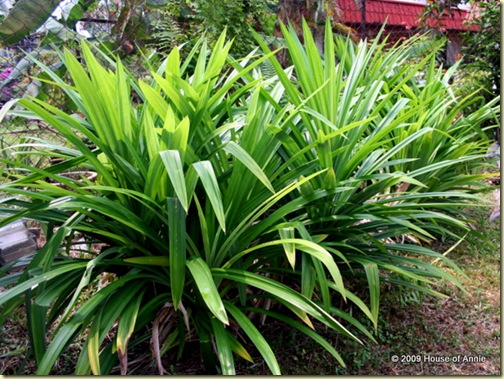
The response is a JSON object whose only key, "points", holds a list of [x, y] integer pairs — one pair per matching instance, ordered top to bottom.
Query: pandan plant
{"points": [[221, 193]]}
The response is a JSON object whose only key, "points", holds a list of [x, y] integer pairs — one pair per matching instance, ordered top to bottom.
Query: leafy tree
{"points": [[441, 9], [237, 16], [165, 23], [483, 47]]}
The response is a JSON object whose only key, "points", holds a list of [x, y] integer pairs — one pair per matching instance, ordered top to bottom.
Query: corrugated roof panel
{"points": [[397, 13]]}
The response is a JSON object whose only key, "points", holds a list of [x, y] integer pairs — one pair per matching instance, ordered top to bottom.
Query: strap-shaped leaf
{"points": [[181, 135], [324, 150], [245, 158], [175, 170], [209, 180], [289, 247], [309, 247], [177, 248], [151, 261], [86, 276], [373, 278], [33, 282], [206, 286], [283, 294], [110, 312], [82, 315], [125, 329], [304, 329], [256, 337], [93, 347], [224, 348], [238, 348]]}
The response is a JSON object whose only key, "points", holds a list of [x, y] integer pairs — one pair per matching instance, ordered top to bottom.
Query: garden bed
{"points": [[464, 326]]}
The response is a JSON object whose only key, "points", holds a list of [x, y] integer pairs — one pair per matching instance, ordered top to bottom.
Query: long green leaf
{"points": [[240, 154], [175, 170], [209, 180], [309, 247], [177, 248], [289, 248], [373, 278], [34, 282], [206, 287], [283, 294], [80, 317], [125, 328], [304, 329], [256, 337], [93, 347], [224, 348]]}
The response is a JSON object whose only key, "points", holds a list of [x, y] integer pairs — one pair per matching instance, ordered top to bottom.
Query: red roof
{"points": [[398, 13]]}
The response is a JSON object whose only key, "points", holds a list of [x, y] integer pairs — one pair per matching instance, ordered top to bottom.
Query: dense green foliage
{"points": [[237, 17], [166, 24], [483, 48], [222, 192]]}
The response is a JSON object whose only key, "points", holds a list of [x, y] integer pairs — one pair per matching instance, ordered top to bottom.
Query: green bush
{"points": [[185, 21], [482, 47], [482, 53], [223, 193]]}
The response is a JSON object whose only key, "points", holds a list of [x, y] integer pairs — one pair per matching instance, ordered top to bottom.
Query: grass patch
{"points": [[463, 328]]}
